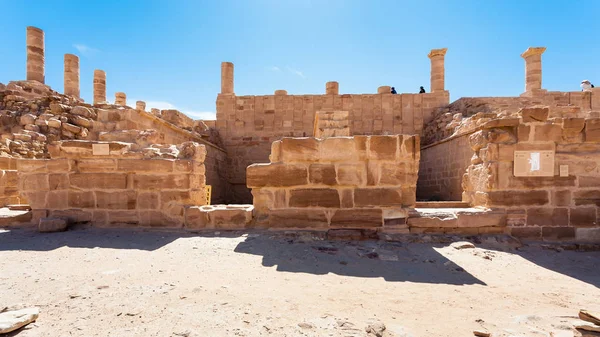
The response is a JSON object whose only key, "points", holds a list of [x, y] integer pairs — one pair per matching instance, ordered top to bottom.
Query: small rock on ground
{"points": [[462, 245], [13, 320]]}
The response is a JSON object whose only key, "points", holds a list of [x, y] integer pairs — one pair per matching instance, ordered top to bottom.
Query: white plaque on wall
{"points": [[534, 163]]}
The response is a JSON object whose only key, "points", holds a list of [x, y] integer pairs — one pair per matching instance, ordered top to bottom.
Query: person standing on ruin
{"points": [[586, 85], [421, 90], [393, 91]]}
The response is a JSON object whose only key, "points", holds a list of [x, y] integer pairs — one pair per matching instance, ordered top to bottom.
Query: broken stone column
{"points": [[35, 54], [533, 68], [437, 69], [71, 75], [226, 78], [99, 86], [332, 88], [385, 89], [280, 92], [120, 98], [140, 106]]}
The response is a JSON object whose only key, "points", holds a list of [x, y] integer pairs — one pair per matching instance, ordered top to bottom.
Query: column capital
{"points": [[533, 51], [437, 52]]}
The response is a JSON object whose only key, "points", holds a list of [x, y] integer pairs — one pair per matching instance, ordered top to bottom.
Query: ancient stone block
{"points": [[534, 114], [501, 122], [572, 126], [592, 130], [523, 132], [548, 132], [500, 136], [360, 143], [383, 147], [299, 149], [338, 149], [275, 155], [31, 165], [96, 165], [145, 165], [183, 166], [322, 174], [351, 174], [398, 174], [276, 175], [98, 180], [58, 181], [589, 181], [33, 182], [158, 182], [179, 197], [315, 197], [347, 197], [381, 197], [587, 197], [518, 198], [561, 198], [58, 199], [84, 199], [116, 200], [72, 215], [540, 216], [128, 217], [583, 217], [152, 218], [196, 218], [230, 218], [298, 218], [357, 218], [481, 219], [48, 225], [526, 232], [558, 232], [587, 234]]}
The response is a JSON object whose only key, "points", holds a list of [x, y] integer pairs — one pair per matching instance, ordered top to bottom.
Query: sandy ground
{"points": [[93, 282]]}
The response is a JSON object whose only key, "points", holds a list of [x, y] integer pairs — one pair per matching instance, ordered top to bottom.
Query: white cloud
{"points": [[85, 50], [274, 68], [295, 71], [163, 105]]}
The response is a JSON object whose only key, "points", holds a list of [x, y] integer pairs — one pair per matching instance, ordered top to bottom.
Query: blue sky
{"points": [[168, 53]]}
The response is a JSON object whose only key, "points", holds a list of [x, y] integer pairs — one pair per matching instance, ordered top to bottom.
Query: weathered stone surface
{"points": [[84, 112], [534, 114], [592, 130], [548, 132], [383, 147], [299, 149], [338, 149], [145, 165], [322, 174], [351, 174], [276, 175], [99, 180], [155, 182], [377, 197], [587, 197], [314, 198], [518, 198], [116, 200], [540, 216], [230, 217], [583, 217], [196, 218], [297, 218], [357, 218], [48, 225], [526, 232], [558, 232], [16, 319]]}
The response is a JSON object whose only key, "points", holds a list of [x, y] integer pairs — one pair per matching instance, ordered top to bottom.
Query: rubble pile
{"points": [[32, 115]]}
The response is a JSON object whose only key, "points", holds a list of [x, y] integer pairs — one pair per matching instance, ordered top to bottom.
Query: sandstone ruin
{"points": [[397, 163]]}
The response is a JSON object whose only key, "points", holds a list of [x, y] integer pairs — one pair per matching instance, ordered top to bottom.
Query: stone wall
{"points": [[457, 117], [123, 124], [249, 124], [441, 169], [338, 182], [115, 185], [9, 194], [559, 206]]}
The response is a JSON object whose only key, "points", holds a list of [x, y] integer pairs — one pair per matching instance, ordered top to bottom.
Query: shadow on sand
{"points": [[392, 261]]}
